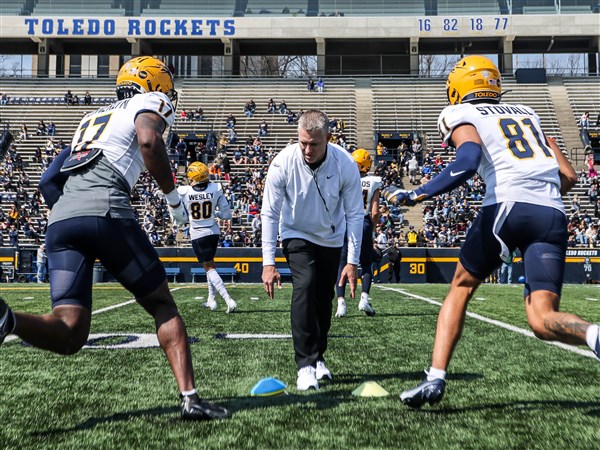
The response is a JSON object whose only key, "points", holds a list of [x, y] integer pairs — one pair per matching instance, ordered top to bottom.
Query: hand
{"points": [[396, 196], [178, 213], [350, 274], [270, 275]]}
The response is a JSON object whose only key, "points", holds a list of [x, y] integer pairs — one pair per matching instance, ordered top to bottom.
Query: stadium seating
{"points": [[11, 7], [75, 7], [207, 8], [398, 104], [222, 271]]}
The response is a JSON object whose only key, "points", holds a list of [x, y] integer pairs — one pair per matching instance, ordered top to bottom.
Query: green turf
{"points": [[505, 390]]}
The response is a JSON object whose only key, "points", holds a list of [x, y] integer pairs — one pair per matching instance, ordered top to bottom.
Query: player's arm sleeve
{"points": [[468, 157], [53, 180], [273, 196], [353, 206], [224, 211]]}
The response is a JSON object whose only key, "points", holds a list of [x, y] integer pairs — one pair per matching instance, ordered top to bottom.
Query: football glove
{"points": [[396, 196], [178, 213]]}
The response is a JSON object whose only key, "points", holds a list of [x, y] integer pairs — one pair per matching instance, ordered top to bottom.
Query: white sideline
{"points": [[497, 323], [12, 337]]}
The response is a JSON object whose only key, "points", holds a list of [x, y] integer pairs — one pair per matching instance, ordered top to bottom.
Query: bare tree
{"points": [[436, 65], [279, 66]]}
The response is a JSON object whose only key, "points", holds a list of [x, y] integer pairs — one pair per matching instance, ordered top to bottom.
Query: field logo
{"points": [[117, 341]]}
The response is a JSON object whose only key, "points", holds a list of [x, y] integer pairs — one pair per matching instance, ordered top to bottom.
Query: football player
{"points": [[525, 174], [371, 189], [88, 190], [205, 203]]}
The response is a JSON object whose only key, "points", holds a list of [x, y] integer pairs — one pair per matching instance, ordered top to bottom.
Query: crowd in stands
{"points": [[73, 99], [240, 165]]}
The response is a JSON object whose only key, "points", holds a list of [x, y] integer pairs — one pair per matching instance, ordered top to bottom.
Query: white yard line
{"points": [[497, 323], [12, 337]]}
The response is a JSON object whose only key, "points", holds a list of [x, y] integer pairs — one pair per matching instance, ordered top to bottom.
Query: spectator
{"points": [[310, 85], [320, 85], [68, 98], [3, 99], [87, 99], [75, 100], [271, 106], [249, 108], [283, 109], [199, 114], [291, 118], [230, 121], [584, 124], [263, 128], [41, 129], [51, 129], [23, 133], [232, 136], [413, 168], [13, 236], [411, 236], [394, 257], [41, 263]]}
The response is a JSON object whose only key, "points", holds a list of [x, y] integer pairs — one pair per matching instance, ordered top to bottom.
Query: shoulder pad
{"points": [[450, 118]]}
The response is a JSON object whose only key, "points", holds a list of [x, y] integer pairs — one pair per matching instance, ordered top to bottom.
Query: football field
{"points": [[506, 389]]}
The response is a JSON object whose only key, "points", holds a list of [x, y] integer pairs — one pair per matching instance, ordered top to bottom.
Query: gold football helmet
{"points": [[145, 74], [473, 78], [363, 160], [197, 173]]}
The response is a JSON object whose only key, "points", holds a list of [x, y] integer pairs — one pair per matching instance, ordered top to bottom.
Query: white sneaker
{"points": [[210, 304], [231, 305], [365, 306], [341, 309], [322, 371], [307, 379]]}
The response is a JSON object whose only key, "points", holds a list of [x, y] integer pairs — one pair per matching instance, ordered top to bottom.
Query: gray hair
{"points": [[312, 120]]}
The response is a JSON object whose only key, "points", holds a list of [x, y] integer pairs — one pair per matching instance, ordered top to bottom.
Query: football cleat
{"points": [[210, 304], [231, 305], [365, 306], [341, 308], [7, 320], [322, 371], [307, 378], [427, 392], [194, 408]]}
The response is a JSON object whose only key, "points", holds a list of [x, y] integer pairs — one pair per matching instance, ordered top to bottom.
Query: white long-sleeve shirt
{"points": [[293, 207]]}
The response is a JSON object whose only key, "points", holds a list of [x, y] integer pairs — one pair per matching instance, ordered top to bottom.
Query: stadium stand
{"points": [[70, 7], [210, 8], [398, 104]]}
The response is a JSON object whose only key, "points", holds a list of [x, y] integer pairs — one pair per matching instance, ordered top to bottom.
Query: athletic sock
{"points": [[216, 280], [211, 289], [591, 336], [435, 374], [188, 393]]}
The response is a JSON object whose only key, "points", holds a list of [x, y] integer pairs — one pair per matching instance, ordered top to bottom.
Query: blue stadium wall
{"points": [[419, 265]]}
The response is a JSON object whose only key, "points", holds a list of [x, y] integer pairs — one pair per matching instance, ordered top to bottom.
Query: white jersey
{"points": [[112, 129], [517, 164], [370, 184], [204, 207]]}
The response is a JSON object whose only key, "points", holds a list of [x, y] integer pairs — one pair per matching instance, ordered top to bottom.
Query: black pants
{"points": [[393, 270], [314, 274]]}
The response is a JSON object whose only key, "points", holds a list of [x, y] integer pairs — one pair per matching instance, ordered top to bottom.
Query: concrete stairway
{"points": [[364, 114], [564, 115]]}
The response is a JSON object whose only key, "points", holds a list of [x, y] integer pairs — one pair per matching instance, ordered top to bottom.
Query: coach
{"points": [[312, 195]]}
